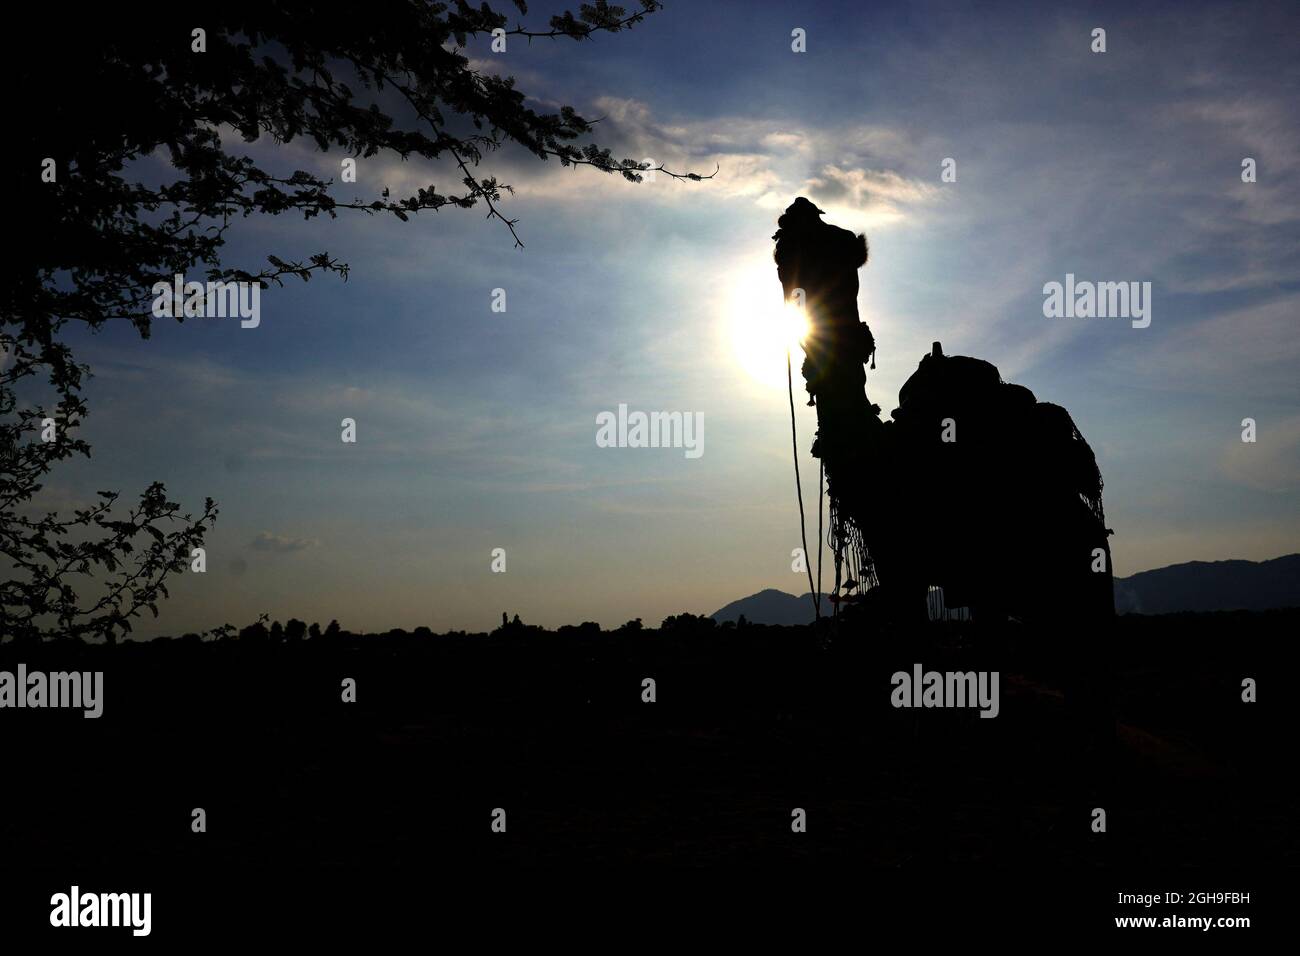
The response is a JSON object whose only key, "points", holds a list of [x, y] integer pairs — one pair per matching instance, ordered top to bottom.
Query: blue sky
{"points": [[476, 429]]}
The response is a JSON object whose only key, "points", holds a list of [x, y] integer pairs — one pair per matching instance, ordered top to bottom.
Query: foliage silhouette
{"points": [[100, 233]]}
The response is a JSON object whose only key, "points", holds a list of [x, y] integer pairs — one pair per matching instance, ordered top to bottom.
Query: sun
{"points": [[762, 327]]}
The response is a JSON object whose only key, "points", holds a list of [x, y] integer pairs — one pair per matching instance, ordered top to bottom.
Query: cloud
{"points": [[497, 66], [757, 160], [856, 167], [882, 195], [1251, 352], [1271, 462], [279, 544]]}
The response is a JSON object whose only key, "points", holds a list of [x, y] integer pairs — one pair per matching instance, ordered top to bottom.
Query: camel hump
{"points": [[940, 377]]}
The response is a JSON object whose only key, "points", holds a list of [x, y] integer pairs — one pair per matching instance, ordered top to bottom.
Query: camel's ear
{"points": [[863, 251]]}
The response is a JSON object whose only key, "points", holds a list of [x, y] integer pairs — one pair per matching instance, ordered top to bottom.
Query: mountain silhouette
{"points": [[1193, 586], [1212, 586], [771, 606]]}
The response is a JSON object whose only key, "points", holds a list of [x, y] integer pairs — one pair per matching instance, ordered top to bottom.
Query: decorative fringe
{"points": [[1090, 480], [845, 541]]}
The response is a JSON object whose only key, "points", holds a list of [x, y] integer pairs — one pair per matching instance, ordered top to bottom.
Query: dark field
{"points": [[749, 723]]}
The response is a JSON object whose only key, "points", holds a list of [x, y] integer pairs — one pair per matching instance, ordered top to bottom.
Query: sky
{"points": [[476, 429]]}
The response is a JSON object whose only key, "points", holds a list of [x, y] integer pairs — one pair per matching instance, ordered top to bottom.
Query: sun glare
{"points": [[763, 327]]}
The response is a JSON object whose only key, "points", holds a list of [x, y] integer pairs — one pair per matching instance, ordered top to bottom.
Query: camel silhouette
{"points": [[972, 486]]}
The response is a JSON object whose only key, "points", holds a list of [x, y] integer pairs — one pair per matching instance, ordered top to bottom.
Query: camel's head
{"points": [[799, 215], [821, 260]]}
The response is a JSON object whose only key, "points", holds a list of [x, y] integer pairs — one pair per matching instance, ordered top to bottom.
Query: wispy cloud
{"points": [[1271, 462], [281, 544]]}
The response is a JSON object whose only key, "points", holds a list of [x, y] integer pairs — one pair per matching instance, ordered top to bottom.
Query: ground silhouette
{"points": [[749, 722]]}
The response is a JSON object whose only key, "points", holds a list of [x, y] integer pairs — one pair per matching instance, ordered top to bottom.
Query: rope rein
{"points": [[798, 487], [821, 494]]}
